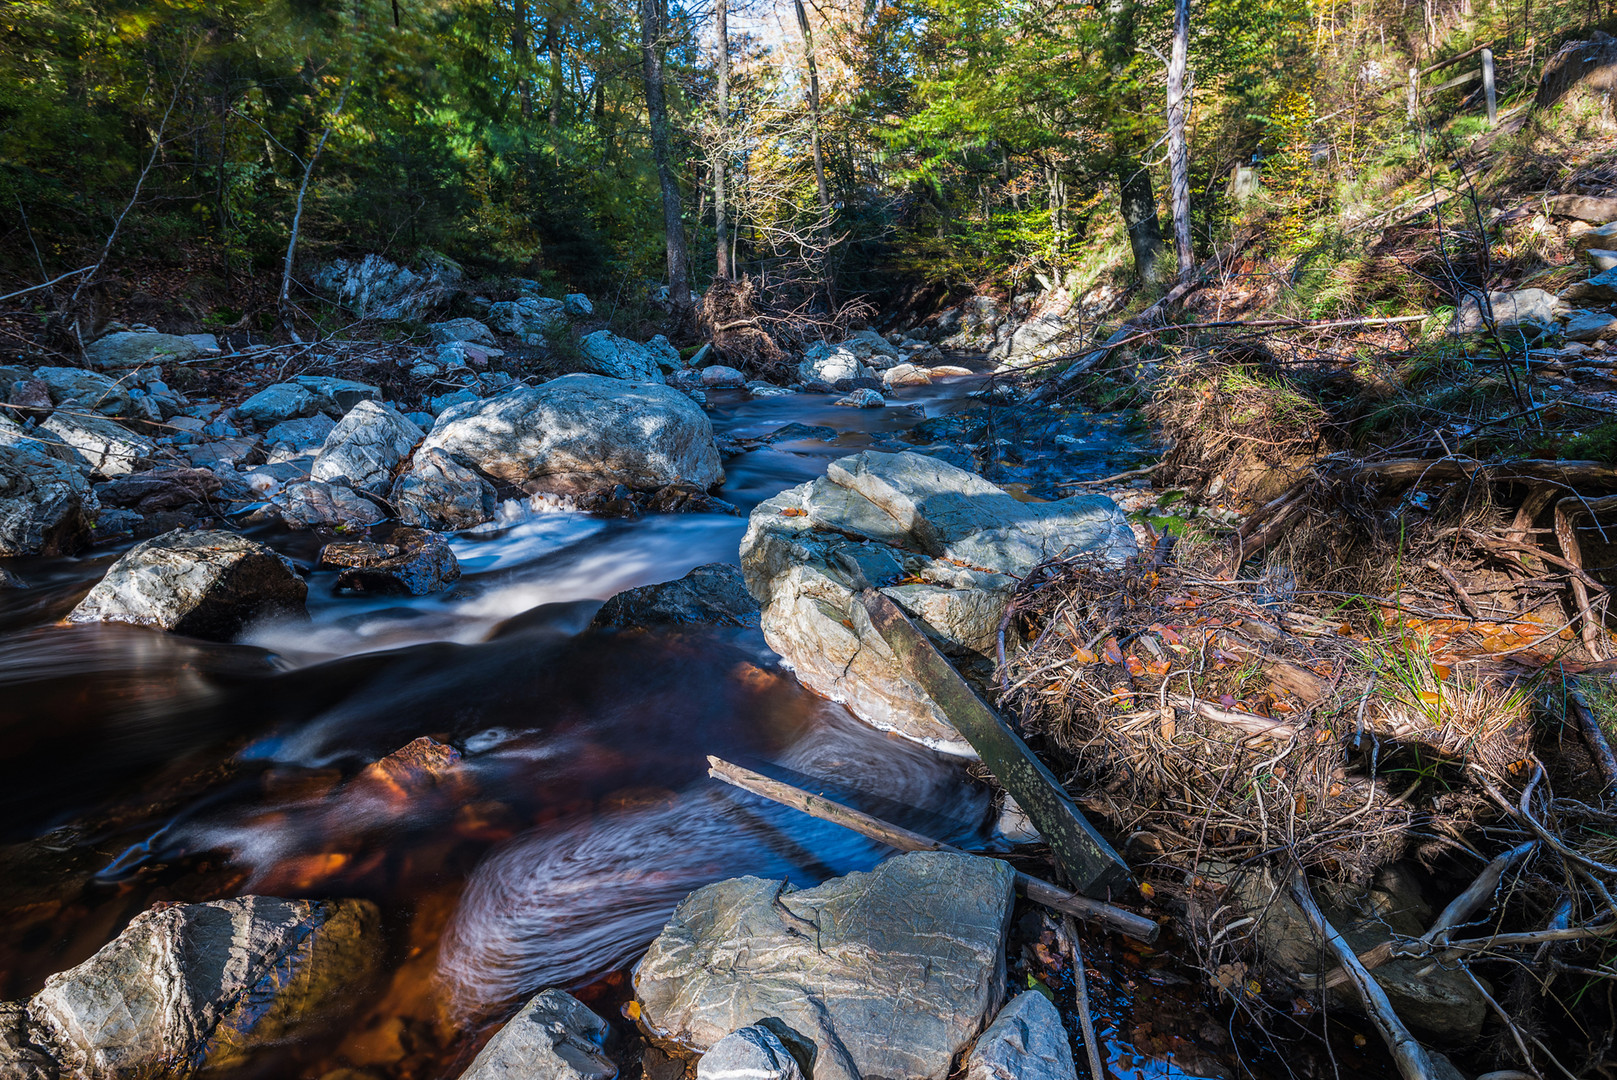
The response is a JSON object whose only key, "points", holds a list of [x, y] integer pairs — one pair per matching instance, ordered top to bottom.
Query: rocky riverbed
{"points": [[310, 637]]}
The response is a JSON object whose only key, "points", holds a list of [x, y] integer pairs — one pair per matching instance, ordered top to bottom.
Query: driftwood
{"points": [[1249, 723], [1599, 745], [1079, 849], [1038, 890], [1080, 990], [1407, 1054]]}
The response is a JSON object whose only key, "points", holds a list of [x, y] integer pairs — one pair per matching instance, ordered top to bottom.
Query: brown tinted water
{"points": [[542, 844]]}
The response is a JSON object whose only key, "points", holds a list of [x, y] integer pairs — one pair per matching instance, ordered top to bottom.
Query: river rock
{"points": [[1601, 259], [1600, 289], [577, 305], [1511, 310], [531, 315], [1590, 326], [460, 330], [127, 349], [875, 350], [604, 353], [827, 363], [906, 375], [719, 377], [77, 388], [334, 396], [865, 398], [277, 404], [304, 433], [582, 433], [95, 444], [366, 446], [159, 489], [437, 492], [316, 502], [46, 505], [945, 544], [414, 562], [207, 584], [715, 594], [888, 973], [192, 986], [554, 1037], [1026, 1041], [23, 1053], [753, 1053]]}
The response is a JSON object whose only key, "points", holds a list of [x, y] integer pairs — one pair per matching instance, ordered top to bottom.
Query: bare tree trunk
{"points": [[555, 35], [522, 57], [814, 106], [1178, 149], [1139, 207], [721, 245], [679, 263], [284, 300]]}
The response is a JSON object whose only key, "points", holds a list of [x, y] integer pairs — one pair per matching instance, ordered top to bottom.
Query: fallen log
{"points": [[1599, 745], [1079, 849], [1038, 890], [1410, 1057]]}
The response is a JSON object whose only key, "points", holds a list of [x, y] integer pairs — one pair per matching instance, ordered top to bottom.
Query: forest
{"points": [[808, 539]]}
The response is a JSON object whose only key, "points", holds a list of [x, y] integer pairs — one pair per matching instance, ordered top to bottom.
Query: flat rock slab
{"points": [[1509, 310], [128, 349], [582, 433], [97, 445], [946, 545], [208, 584], [888, 973], [188, 985], [554, 1037]]}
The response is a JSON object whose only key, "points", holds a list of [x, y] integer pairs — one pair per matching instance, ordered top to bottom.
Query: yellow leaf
{"points": [[1431, 697], [1146, 890]]}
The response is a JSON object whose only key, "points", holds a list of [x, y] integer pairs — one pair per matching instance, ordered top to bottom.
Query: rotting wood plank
{"points": [[1094, 868]]}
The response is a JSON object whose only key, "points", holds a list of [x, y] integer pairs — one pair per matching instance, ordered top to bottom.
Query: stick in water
{"points": [[1037, 889], [1081, 990]]}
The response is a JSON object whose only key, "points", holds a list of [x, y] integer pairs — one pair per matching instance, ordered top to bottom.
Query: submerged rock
{"points": [[863, 399], [581, 433], [366, 446], [437, 492], [46, 505], [945, 544], [414, 562], [207, 584], [715, 594], [888, 973], [193, 986], [554, 1037], [1025, 1042]]}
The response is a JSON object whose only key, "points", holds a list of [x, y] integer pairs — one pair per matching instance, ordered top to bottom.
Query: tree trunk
{"points": [[555, 32], [521, 57], [814, 106], [1178, 149], [1139, 206], [721, 245], [679, 271], [284, 299]]}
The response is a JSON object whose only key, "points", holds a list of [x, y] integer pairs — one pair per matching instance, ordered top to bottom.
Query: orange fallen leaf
{"points": [[792, 511], [1113, 654], [1084, 656], [1134, 665], [1158, 668]]}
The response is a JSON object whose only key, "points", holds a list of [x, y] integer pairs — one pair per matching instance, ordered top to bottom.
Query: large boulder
{"points": [[1585, 68], [375, 288], [1600, 289], [529, 316], [975, 326], [443, 333], [127, 349], [604, 353], [827, 363], [76, 388], [334, 396], [277, 404], [582, 433], [94, 444], [366, 446], [159, 489], [437, 492], [46, 505], [945, 544], [413, 562], [207, 584], [714, 594], [888, 973], [193, 986], [554, 1037], [1026, 1041]]}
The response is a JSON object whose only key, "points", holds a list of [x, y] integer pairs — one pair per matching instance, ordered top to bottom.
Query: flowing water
{"points": [[140, 767]]}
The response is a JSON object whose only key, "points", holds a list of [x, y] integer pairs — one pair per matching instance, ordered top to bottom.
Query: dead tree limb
{"points": [[283, 303], [1592, 628], [1599, 745], [1052, 896]]}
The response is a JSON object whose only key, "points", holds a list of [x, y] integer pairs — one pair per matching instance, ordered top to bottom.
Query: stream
{"points": [[140, 767]]}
